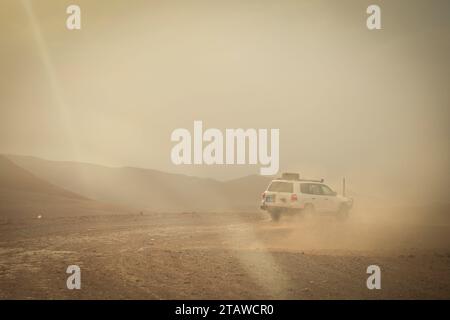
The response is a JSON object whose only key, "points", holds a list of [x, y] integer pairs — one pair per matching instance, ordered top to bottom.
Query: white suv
{"points": [[290, 194]]}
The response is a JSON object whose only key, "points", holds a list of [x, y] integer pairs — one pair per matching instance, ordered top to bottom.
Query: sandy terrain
{"points": [[221, 256]]}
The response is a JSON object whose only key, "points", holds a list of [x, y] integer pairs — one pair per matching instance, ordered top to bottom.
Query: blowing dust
{"points": [[367, 229]]}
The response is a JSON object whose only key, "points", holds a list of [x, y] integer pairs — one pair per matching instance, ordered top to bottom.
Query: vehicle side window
{"points": [[305, 188], [316, 189], [326, 190]]}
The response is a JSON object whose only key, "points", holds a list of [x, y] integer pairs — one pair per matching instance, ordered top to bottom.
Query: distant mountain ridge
{"points": [[15, 178], [146, 189], [24, 195]]}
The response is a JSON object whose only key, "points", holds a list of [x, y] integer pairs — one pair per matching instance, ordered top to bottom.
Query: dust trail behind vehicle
{"points": [[380, 229]]}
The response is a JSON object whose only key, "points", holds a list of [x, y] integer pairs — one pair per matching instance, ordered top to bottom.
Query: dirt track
{"points": [[221, 256]]}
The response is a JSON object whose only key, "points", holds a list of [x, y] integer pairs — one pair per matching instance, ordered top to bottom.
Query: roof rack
{"points": [[290, 176], [296, 177], [311, 180]]}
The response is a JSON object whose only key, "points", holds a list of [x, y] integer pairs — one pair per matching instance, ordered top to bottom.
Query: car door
{"points": [[307, 194], [318, 198], [330, 203]]}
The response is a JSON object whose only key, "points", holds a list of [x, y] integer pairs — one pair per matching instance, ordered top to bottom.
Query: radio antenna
{"points": [[343, 186]]}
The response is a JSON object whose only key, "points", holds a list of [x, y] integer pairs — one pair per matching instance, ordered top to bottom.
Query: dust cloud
{"points": [[367, 229]]}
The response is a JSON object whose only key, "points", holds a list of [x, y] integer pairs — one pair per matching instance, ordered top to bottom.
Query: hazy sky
{"points": [[371, 105]]}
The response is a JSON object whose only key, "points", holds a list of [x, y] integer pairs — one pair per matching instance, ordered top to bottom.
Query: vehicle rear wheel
{"points": [[308, 210], [275, 215]]}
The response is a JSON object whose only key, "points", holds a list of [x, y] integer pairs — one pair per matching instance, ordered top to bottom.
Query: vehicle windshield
{"points": [[279, 186]]}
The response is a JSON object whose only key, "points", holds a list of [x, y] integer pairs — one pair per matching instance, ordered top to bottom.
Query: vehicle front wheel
{"points": [[342, 214]]}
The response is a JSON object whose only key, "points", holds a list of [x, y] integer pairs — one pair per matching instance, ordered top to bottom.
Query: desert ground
{"points": [[222, 256]]}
